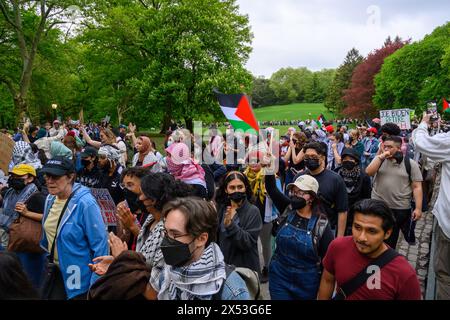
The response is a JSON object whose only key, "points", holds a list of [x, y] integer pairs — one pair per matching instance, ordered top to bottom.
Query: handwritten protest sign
{"points": [[401, 117], [6, 147], [107, 206]]}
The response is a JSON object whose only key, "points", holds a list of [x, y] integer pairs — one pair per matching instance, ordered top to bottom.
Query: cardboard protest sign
{"points": [[401, 117], [6, 147], [107, 206]]}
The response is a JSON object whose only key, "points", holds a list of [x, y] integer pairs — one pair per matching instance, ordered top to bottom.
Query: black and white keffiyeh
{"points": [[23, 154], [350, 177], [149, 241], [199, 280]]}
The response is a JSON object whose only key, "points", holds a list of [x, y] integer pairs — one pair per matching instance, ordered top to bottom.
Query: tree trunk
{"points": [[165, 123], [189, 124]]}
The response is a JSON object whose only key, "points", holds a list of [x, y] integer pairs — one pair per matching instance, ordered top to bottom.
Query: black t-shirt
{"points": [[89, 179], [112, 183], [332, 193]]}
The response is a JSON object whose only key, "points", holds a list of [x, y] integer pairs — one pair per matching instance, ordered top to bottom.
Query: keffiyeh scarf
{"points": [[22, 153], [351, 177], [256, 180], [150, 244], [200, 280]]}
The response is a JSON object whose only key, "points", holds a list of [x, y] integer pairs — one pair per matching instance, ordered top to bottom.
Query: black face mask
{"points": [[398, 156], [86, 163], [312, 164], [349, 165], [17, 184], [237, 196], [133, 200], [297, 203], [175, 253]]}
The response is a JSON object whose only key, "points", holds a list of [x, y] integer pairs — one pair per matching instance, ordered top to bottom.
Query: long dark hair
{"points": [[162, 187], [222, 196], [14, 283]]}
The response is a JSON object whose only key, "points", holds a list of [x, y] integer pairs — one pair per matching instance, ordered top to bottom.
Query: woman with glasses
{"points": [[74, 232], [302, 238]]}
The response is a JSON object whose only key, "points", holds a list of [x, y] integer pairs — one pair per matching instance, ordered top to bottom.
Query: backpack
{"points": [[318, 231], [250, 278]]}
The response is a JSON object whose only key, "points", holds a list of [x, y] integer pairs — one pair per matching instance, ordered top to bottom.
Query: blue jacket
{"points": [[81, 237]]}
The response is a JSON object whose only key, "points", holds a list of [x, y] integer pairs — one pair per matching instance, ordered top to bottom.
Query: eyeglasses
{"points": [[48, 176], [298, 193], [174, 236]]}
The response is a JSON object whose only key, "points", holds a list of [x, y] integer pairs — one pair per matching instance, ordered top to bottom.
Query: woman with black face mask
{"points": [[357, 182], [23, 208], [239, 222], [302, 240]]}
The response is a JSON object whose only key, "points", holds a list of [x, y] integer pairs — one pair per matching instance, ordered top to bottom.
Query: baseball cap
{"points": [[56, 121], [122, 126], [330, 128], [374, 130], [89, 152], [351, 153], [59, 166], [23, 169], [306, 183]]}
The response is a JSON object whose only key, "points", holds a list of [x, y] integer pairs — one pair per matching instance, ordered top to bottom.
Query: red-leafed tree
{"points": [[359, 96]]}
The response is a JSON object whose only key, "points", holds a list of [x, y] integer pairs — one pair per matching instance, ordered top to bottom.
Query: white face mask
{"points": [[169, 142]]}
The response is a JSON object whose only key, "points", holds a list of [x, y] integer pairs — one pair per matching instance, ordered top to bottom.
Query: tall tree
{"points": [[26, 23], [194, 46], [415, 73], [262, 94], [359, 96], [333, 100]]}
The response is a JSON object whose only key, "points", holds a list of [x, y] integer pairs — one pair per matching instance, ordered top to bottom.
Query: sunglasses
{"points": [[48, 176]]}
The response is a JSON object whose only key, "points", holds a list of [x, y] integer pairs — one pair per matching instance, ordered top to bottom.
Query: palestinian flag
{"points": [[445, 106], [238, 111], [321, 119]]}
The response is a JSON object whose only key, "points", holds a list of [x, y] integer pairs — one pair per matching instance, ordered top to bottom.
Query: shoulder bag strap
{"points": [[353, 284]]}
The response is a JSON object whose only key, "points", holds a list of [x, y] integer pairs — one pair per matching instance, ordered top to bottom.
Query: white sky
{"points": [[317, 34]]}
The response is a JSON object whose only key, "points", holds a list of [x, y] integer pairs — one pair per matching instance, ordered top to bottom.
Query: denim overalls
{"points": [[294, 271]]}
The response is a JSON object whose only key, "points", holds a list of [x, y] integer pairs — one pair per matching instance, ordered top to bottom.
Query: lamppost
{"points": [[54, 107]]}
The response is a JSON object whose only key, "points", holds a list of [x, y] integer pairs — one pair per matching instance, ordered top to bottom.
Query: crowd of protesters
{"points": [[321, 204]]}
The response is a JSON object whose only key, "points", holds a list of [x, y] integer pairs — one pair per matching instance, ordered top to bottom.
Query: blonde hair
{"points": [[110, 136]]}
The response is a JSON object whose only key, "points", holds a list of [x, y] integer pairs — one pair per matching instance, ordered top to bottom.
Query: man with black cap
{"points": [[89, 176], [357, 182]]}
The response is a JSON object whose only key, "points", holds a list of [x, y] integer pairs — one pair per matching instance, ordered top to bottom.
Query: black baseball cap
{"points": [[89, 152], [351, 153], [59, 166]]}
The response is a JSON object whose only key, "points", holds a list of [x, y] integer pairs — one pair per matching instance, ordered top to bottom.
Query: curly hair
{"points": [[391, 129], [162, 187]]}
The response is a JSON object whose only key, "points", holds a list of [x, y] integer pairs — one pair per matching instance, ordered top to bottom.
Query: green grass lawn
{"points": [[294, 111]]}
